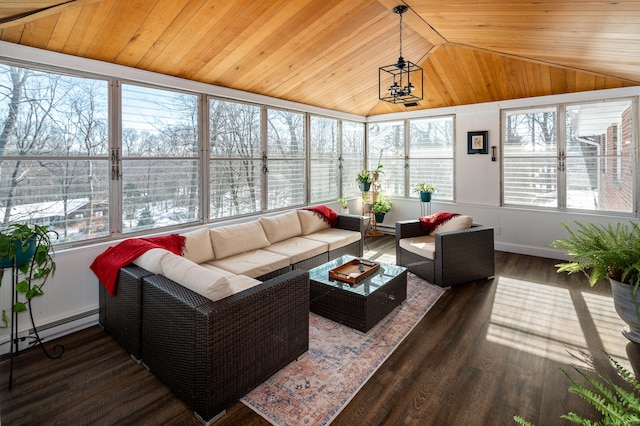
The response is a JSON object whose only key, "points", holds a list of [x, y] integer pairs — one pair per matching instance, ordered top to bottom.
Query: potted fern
{"points": [[29, 247], [613, 253], [619, 406]]}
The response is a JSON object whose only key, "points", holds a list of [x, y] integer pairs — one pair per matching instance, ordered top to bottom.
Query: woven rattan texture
{"points": [[461, 256], [355, 310], [121, 315], [212, 353]]}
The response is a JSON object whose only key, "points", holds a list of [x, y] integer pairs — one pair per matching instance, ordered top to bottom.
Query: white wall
{"points": [[477, 189], [71, 297]]}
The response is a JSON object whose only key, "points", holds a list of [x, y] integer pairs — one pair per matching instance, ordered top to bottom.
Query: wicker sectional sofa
{"points": [[218, 321]]}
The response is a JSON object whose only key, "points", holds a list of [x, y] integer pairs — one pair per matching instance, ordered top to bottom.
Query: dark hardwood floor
{"points": [[486, 351]]}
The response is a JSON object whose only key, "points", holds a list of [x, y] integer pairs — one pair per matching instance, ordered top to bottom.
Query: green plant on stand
{"points": [[364, 180], [425, 190], [380, 208], [30, 247]]}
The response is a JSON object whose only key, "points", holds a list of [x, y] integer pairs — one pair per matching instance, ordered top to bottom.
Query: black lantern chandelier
{"points": [[396, 81]]}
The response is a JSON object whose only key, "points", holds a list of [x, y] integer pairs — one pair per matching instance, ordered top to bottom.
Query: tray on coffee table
{"points": [[354, 270]]}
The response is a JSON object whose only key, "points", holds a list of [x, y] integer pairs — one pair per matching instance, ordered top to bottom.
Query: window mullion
{"points": [[115, 145], [561, 165]]}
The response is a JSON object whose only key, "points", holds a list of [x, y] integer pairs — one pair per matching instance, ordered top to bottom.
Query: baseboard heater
{"points": [[51, 330]]}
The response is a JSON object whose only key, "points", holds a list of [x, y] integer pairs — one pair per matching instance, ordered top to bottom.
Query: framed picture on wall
{"points": [[478, 142]]}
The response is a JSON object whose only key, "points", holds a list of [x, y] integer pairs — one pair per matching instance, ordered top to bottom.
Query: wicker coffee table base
{"points": [[360, 312]]}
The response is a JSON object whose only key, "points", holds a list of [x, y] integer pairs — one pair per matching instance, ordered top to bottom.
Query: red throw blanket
{"points": [[327, 214], [430, 223], [107, 264]]}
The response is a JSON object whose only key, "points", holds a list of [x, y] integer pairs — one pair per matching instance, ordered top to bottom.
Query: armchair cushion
{"points": [[456, 223], [424, 246]]}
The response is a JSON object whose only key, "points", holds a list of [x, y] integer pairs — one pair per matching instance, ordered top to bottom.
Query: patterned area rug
{"points": [[313, 390]]}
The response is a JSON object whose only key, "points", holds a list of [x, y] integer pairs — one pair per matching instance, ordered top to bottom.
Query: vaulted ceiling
{"points": [[326, 53]]}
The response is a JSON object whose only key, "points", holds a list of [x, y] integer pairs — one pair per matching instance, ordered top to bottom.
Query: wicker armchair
{"points": [[460, 256], [210, 354]]}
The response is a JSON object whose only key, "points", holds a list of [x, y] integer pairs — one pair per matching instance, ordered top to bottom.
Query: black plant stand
{"points": [[14, 328]]}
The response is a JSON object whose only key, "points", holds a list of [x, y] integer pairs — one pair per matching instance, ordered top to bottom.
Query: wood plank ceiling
{"points": [[326, 53]]}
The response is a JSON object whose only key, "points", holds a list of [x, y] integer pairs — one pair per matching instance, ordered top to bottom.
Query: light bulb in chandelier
{"points": [[394, 89]]}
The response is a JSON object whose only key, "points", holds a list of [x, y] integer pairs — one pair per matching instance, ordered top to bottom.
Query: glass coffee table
{"points": [[363, 304]]}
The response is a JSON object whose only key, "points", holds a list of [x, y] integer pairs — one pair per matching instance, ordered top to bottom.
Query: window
{"points": [[386, 147], [530, 153], [431, 155], [577, 156], [599, 156], [352, 157], [160, 158], [285, 161], [54, 162], [62, 164], [235, 166], [324, 181]]}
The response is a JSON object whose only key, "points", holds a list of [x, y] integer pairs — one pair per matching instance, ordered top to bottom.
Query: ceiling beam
{"points": [[26, 17]]}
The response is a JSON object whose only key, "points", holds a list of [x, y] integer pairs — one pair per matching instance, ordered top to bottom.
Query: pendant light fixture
{"points": [[396, 81]]}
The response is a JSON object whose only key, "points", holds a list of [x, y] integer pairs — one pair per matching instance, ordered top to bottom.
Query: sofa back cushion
{"points": [[311, 222], [456, 223], [281, 227], [235, 239], [197, 246], [152, 259], [203, 281]]}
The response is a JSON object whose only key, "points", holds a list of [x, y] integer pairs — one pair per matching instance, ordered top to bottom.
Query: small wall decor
{"points": [[478, 142]]}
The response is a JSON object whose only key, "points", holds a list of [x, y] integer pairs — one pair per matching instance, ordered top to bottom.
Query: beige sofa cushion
{"points": [[311, 222], [456, 223], [282, 226], [335, 237], [230, 240], [197, 246], [424, 246], [298, 249], [152, 259], [253, 264], [217, 270], [196, 278], [242, 282]]}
